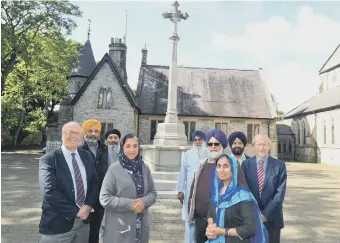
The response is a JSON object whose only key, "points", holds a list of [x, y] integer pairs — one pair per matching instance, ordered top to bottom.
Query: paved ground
{"points": [[312, 205]]}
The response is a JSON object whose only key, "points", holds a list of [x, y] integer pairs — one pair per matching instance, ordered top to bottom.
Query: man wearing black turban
{"points": [[237, 142]]}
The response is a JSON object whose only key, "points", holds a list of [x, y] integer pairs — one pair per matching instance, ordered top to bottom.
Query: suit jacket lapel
{"points": [[63, 162], [253, 168], [87, 169], [268, 171]]}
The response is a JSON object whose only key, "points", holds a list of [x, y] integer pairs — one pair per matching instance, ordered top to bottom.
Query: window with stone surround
{"points": [[101, 98], [108, 98], [106, 126], [222, 126], [190, 127], [303, 127], [153, 128], [252, 130], [332, 130], [324, 132], [297, 134], [279, 147], [284, 147], [290, 147]]}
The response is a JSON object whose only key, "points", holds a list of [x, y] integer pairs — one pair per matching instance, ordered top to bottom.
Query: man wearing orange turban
{"points": [[99, 152]]}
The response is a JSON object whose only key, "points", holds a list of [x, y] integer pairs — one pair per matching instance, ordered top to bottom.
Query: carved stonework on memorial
{"points": [[171, 132]]}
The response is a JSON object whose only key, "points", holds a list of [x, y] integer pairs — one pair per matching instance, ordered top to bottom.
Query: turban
{"points": [[90, 123], [113, 131], [198, 133], [219, 135], [239, 135]]}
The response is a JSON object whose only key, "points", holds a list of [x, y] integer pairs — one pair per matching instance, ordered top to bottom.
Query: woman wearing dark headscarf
{"points": [[126, 194], [234, 215]]}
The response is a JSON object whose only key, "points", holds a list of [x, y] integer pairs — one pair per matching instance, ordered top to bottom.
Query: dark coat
{"points": [[100, 160], [274, 188], [57, 191], [240, 216]]}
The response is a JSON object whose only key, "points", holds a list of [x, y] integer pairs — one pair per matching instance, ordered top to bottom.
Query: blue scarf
{"points": [[134, 166], [233, 194]]}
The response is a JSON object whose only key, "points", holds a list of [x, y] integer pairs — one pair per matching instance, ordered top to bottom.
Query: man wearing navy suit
{"points": [[266, 178], [69, 190]]}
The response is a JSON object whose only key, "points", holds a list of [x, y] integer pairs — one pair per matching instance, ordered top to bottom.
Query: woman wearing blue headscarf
{"points": [[126, 194], [234, 215]]}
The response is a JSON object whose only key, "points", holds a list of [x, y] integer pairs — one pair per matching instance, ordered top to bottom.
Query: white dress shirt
{"points": [[68, 157]]}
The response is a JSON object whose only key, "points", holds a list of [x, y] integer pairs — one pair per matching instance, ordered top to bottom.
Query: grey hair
{"points": [[68, 124], [263, 136]]}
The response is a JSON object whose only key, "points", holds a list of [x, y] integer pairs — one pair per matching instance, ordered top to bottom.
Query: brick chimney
{"points": [[117, 51], [144, 56]]}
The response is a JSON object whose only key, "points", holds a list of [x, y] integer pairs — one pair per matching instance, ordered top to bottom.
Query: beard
{"points": [[91, 140], [114, 147], [200, 148], [237, 151], [213, 155]]}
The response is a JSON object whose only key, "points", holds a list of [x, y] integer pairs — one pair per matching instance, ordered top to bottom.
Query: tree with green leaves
{"points": [[22, 21], [38, 83]]}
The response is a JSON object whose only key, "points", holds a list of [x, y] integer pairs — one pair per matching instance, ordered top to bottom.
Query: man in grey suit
{"points": [[69, 190]]}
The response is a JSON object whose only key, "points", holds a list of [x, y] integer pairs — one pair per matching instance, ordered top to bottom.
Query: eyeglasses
{"points": [[215, 144]]}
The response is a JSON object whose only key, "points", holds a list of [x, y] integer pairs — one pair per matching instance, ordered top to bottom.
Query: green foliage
{"points": [[22, 21], [36, 58], [280, 115]]}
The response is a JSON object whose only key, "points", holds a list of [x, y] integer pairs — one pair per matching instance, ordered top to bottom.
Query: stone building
{"points": [[98, 92], [208, 98], [228, 99], [316, 122], [286, 142]]}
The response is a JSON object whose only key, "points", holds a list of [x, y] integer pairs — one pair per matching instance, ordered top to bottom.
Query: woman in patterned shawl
{"points": [[126, 194], [234, 215]]}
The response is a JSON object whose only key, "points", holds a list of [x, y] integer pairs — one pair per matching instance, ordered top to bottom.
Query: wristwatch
{"points": [[226, 232]]}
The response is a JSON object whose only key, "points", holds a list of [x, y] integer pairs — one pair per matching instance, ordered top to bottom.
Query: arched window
{"points": [[101, 98], [108, 98], [332, 130], [303, 132], [324, 132], [297, 134], [279, 147], [284, 148], [290, 148]]}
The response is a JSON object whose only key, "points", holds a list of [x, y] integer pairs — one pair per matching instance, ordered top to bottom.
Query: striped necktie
{"points": [[260, 176], [79, 182]]}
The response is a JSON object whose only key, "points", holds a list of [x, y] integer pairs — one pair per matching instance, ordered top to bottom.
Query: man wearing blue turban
{"points": [[190, 163], [200, 189]]}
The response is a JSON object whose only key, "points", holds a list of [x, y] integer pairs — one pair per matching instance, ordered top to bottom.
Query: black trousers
{"points": [[96, 220], [200, 229], [274, 234]]}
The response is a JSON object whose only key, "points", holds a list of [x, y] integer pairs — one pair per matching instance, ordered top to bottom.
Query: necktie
{"points": [[260, 176], [79, 182]]}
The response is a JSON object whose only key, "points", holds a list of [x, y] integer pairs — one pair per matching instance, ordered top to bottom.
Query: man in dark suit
{"points": [[99, 152], [266, 178], [69, 190]]}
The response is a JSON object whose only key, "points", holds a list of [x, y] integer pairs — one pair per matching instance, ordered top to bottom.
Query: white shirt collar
{"points": [[68, 152]]}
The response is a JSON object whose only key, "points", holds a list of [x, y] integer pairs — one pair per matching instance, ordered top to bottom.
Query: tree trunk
{"points": [[23, 104], [21, 121]]}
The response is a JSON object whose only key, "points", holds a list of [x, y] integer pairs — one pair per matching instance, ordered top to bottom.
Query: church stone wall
{"points": [[121, 113], [207, 123]]}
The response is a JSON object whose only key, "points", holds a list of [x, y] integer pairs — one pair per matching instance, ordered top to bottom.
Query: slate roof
{"points": [[332, 62], [85, 63], [125, 86], [206, 92], [328, 100], [282, 129]]}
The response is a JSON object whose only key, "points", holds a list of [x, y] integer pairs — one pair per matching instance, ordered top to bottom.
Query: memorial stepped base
{"points": [[165, 184]]}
